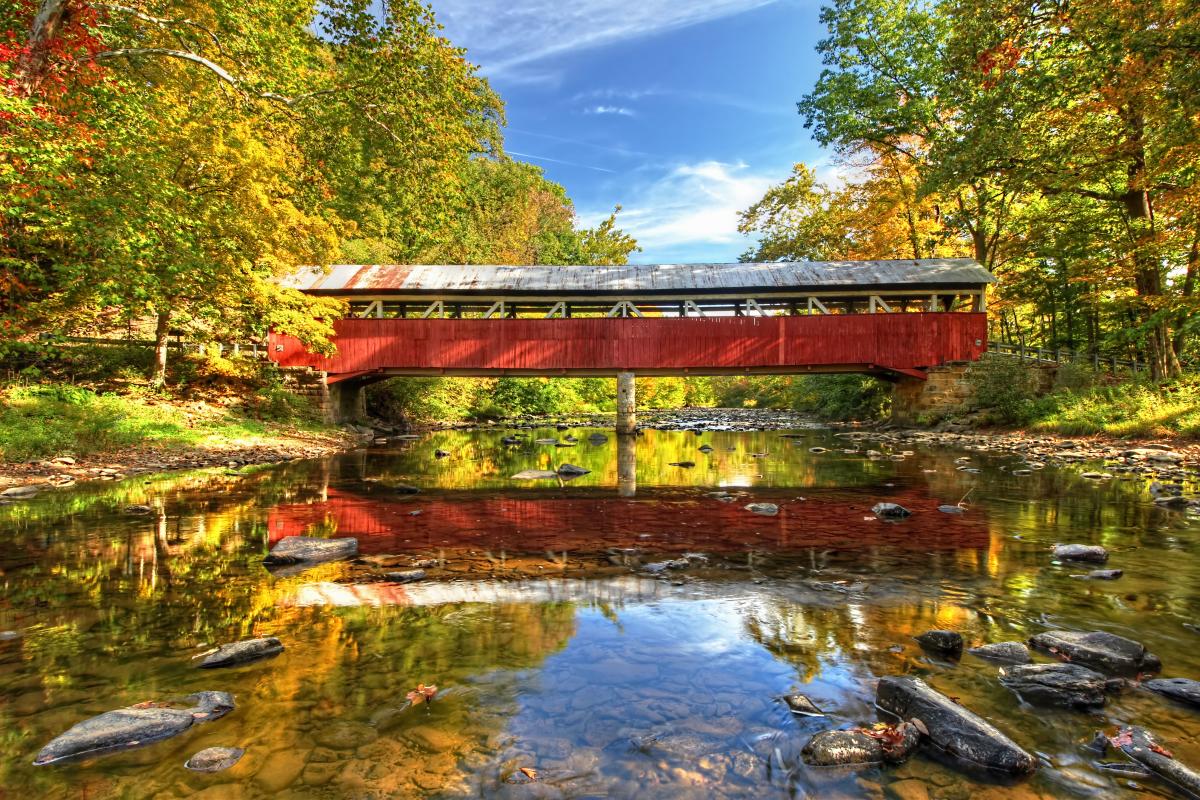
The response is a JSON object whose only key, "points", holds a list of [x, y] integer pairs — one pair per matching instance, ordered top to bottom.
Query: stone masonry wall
{"points": [[309, 383], [945, 391]]}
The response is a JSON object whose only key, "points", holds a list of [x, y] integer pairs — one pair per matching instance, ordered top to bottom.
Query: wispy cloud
{"points": [[502, 34], [787, 109], [618, 110], [559, 161], [691, 211]]}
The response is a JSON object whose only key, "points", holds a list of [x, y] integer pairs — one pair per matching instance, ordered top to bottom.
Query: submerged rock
{"points": [[440, 453], [684, 464], [572, 470], [534, 475], [403, 488], [20, 492], [137, 509], [767, 509], [948, 509], [890, 511], [305, 551], [1081, 552], [1101, 575], [405, 576], [946, 642], [1100, 650], [1009, 652], [228, 655], [1064, 685], [1183, 690], [135, 726], [952, 728], [860, 746], [1142, 746], [214, 759]]}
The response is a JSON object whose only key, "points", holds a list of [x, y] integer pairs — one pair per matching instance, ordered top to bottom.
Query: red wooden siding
{"points": [[895, 341]]}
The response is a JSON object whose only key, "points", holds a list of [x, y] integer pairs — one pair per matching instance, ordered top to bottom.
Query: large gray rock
{"points": [[571, 470], [535, 475], [20, 492], [766, 509], [890, 511], [305, 551], [1081, 552], [949, 643], [1099, 650], [1008, 652], [229, 655], [1063, 685], [1183, 690], [131, 727], [953, 729], [857, 746], [1142, 746]]}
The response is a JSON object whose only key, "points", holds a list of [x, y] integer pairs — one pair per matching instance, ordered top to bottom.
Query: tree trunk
{"points": [[31, 69], [1189, 289], [162, 329]]}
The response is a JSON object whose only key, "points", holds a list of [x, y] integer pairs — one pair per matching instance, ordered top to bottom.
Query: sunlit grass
{"points": [[1126, 410]]}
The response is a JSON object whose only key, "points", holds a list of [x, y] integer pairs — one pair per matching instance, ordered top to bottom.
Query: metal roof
{"points": [[643, 279]]}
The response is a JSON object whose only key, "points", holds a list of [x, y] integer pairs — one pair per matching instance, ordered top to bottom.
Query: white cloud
{"points": [[503, 34], [619, 110], [691, 211]]}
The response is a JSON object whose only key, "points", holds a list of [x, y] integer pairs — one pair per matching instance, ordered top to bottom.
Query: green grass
{"points": [[1123, 410], [47, 420]]}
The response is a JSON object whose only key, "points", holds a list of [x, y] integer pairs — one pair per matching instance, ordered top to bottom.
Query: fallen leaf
{"points": [[421, 694], [920, 726], [1122, 738], [1162, 751], [529, 772]]}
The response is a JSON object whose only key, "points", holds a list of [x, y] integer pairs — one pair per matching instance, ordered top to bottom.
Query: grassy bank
{"points": [[1124, 410], [45, 420]]}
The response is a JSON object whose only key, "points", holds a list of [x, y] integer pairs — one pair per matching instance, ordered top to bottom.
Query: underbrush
{"points": [[827, 397], [1124, 410]]}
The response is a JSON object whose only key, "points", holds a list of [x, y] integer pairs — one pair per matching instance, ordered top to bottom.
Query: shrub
{"points": [[1004, 387]]}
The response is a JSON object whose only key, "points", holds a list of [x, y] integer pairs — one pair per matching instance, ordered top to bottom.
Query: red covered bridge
{"points": [[891, 318]]}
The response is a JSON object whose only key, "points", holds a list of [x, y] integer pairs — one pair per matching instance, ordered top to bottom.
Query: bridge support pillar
{"points": [[945, 392], [347, 402], [626, 404], [626, 466]]}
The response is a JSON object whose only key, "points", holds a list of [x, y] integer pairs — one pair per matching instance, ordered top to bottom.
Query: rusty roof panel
{"points": [[638, 278]]}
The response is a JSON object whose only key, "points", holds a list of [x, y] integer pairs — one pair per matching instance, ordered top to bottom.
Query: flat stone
{"points": [[534, 475], [19, 492], [766, 509], [307, 550], [1081, 552], [1099, 650], [1008, 652], [228, 655], [1064, 685], [1183, 690], [800, 704], [131, 727], [952, 728], [344, 735], [1142, 746], [214, 759], [279, 771]]}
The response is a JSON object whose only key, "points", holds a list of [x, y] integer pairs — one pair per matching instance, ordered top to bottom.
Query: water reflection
{"points": [[556, 646]]}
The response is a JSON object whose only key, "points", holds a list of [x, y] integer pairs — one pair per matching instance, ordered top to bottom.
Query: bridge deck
{"points": [[896, 343]]}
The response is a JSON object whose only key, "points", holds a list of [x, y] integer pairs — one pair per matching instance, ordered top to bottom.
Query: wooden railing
{"points": [[224, 349], [1060, 355]]}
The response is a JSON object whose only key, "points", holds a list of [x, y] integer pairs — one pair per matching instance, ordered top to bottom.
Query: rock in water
{"points": [[705, 448], [440, 453], [684, 464], [572, 470], [534, 475], [20, 492], [767, 509], [947, 509], [890, 511], [305, 551], [1081, 552], [1101, 575], [405, 576], [946, 642], [1099, 650], [1010, 652], [228, 655], [1063, 685], [1183, 690], [800, 704], [133, 727], [952, 728], [1141, 745], [858, 746], [214, 759]]}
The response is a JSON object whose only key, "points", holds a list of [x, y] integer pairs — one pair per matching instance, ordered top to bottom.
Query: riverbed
{"points": [[625, 633]]}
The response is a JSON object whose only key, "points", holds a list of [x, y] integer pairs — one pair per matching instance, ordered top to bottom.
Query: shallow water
{"points": [[553, 647]]}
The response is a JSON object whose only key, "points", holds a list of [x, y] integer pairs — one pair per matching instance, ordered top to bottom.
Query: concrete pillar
{"points": [[347, 402], [626, 404], [626, 465]]}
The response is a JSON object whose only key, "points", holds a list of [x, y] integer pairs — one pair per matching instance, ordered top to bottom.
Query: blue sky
{"points": [[683, 113]]}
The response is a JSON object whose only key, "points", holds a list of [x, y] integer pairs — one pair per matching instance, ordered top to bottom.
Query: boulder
{"points": [[20, 492], [766, 509], [890, 511], [306, 551], [1081, 552], [945, 642], [1099, 650], [1009, 652], [229, 655], [1063, 685], [1183, 690], [800, 704], [135, 726], [952, 728], [1142, 746], [861, 747], [214, 759]]}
